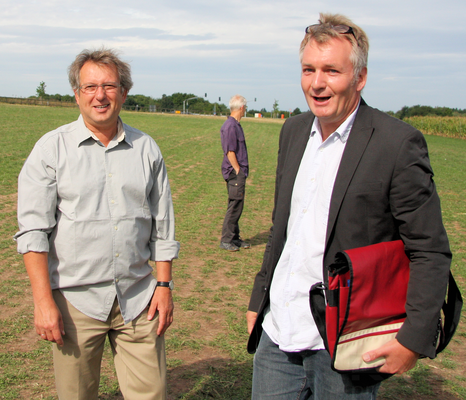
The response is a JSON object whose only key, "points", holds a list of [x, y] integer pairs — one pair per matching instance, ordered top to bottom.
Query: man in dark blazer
{"points": [[381, 190]]}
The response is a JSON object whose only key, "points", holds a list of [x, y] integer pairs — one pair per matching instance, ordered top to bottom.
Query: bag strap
{"points": [[317, 302], [452, 313]]}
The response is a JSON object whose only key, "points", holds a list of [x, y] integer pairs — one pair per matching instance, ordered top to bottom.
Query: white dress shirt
{"points": [[288, 321]]}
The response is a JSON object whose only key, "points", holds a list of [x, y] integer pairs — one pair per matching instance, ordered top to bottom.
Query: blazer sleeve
{"points": [[415, 206]]}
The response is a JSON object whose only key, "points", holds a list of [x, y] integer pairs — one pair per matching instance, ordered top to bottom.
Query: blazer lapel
{"points": [[298, 146], [354, 150]]}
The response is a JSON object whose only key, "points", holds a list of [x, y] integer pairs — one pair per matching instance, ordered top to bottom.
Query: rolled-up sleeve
{"points": [[37, 200], [163, 245]]}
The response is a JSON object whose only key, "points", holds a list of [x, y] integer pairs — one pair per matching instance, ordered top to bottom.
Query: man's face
{"points": [[328, 83], [100, 110]]}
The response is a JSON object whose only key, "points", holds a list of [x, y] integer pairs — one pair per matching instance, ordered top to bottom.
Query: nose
{"points": [[318, 81], [100, 92]]}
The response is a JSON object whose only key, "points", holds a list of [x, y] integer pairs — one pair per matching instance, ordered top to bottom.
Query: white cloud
{"points": [[417, 51]]}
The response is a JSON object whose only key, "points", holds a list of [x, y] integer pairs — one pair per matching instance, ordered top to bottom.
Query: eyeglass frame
{"points": [[348, 30], [114, 86]]}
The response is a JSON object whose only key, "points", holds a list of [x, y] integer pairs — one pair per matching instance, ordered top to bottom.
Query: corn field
{"points": [[442, 126]]}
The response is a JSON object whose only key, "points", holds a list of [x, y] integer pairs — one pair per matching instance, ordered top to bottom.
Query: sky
{"points": [[417, 49]]}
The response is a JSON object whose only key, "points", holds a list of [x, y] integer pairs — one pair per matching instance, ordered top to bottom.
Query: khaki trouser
{"points": [[139, 354]]}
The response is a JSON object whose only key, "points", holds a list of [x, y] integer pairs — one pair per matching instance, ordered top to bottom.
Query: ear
{"points": [[362, 79], [125, 93], [76, 95]]}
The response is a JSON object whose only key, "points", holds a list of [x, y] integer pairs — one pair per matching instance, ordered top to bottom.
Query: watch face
{"points": [[171, 285]]}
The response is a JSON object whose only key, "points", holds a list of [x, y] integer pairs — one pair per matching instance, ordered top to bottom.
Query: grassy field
{"points": [[206, 343]]}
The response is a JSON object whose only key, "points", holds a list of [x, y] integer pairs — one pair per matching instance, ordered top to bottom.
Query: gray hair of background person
{"points": [[324, 31], [101, 56], [236, 102]]}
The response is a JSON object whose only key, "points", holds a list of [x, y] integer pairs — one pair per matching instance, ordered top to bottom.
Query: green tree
{"points": [[41, 90], [166, 103], [275, 108]]}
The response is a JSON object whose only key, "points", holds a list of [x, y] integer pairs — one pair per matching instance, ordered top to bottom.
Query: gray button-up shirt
{"points": [[101, 213]]}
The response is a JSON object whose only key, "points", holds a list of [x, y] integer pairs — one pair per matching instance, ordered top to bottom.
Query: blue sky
{"points": [[417, 47]]}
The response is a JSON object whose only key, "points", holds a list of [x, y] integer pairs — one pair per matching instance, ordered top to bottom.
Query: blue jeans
{"points": [[305, 375]]}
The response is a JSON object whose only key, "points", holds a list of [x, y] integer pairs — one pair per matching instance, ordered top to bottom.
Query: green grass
{"points": [[206, 345]]}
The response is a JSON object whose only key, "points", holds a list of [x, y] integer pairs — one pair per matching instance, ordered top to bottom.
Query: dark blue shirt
{"points": [[232, 137]]}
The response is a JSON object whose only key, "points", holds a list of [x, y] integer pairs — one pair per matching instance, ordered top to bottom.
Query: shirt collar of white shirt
{"points": [[343, 130]]}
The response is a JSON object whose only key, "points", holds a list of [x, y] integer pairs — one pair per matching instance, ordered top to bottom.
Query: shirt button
{"points": [[110, 175], [113, 201], [304, 211], [116, 228], [117, 255], [117, 280], [287, 304]]}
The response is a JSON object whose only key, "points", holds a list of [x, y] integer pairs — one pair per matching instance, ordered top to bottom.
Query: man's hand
{"points": [[233, 161], [163, 303], [47, 317], [251, 317], [48, 321], [398, 359]]}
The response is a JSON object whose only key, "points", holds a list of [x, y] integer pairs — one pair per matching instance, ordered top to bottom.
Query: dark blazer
{"points": [[383, 191]]}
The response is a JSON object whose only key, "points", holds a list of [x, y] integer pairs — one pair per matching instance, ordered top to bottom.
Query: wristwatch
{"points": [[169, 285]]}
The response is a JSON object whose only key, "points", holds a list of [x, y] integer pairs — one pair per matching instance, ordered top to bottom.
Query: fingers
{"points": [[163, 303], [152, 310], [251, 318], [165, 320], [49, 323], [164, 323], [53, 336], [372, 355], [398, 359]]}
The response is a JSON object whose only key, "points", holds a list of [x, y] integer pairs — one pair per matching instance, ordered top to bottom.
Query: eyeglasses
{"points": [[342, 29], [109, 87]]}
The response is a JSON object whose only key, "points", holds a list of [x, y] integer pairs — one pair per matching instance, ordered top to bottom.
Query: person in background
{"points": [[235, 169], [348, 176], [94, 206]]}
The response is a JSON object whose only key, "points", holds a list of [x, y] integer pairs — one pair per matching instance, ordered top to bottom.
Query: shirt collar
{"points": [[343, 130], [85, 133]]}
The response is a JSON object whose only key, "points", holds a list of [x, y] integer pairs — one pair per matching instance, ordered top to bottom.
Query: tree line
{"points": [[187, 102], [190, 103], [423, 111]]}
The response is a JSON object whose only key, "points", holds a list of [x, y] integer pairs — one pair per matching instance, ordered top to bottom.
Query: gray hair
{"points": [[324, 31], [101, 56], [236, 102]]}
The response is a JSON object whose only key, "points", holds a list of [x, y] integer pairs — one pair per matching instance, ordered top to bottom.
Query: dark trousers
{"points": [[236, 185]]}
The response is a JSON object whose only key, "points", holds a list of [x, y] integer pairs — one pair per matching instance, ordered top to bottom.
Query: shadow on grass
{"points": [[260, 238], [214, 378], [420, 383]]}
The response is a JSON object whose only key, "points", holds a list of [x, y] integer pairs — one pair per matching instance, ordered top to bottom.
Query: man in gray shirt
{"points": [[94, 206]]}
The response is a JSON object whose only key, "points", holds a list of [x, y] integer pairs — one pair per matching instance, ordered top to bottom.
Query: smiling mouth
{"points": [[320, 99], [102, 107]]}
